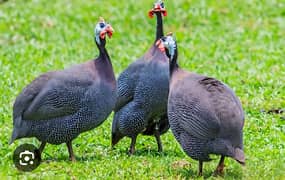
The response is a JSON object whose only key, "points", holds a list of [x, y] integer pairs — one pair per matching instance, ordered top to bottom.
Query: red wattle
{"points": [[150, 14], [109, 34]]}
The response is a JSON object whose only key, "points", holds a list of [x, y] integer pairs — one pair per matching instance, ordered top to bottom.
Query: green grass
{"points": [[241, 43]]}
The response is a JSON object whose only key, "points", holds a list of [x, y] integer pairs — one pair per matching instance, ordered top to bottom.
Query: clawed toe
{"points": [[131, 152], [72, 159], [218, 173]]}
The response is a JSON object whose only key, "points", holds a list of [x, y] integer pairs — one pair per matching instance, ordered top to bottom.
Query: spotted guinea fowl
{"points": [[127, 80], [142, 93], [57, 106], [205, 115]]}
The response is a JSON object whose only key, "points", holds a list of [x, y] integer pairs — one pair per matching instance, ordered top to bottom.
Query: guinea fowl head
{"points": [[158, 7], [159, 10], [101, 29], [168, 44]]}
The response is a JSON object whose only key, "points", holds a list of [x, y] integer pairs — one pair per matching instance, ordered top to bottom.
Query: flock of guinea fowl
{"points": [[152, 95]]}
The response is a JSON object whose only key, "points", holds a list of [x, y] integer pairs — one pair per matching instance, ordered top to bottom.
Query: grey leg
{"points": [[157, 137], [42, 146], [132, 147], [70, 151], [200, 168], [220, 168]]}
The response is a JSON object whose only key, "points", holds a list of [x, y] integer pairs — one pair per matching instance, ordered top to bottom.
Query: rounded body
{"points": [[149, 102], [57, 106], [205, 116]]}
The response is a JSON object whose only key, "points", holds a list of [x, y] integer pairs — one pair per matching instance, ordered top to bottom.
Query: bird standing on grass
{"points": [[127, 80], [142, 93], [59, 105], [205, 115]]}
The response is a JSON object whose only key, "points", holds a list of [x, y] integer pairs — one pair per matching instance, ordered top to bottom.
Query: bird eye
{"points": [[162, 4], [102, 25]]}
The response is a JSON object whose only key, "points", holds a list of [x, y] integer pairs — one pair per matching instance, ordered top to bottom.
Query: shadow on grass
{"points": [[150, 152], [154, 152], [47, 158], [63, 158], [66, 159], [192, 173], [233, 174]]}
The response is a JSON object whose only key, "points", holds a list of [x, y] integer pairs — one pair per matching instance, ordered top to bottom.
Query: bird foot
{"points": [[131, 152], [72, 159], [219, 171]]}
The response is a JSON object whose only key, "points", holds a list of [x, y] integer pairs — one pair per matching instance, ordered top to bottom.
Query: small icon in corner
{"points": [[26, 157]]}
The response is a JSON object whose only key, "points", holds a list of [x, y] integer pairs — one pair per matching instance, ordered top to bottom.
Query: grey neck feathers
{"points": [[103, 54], [103, 62]]}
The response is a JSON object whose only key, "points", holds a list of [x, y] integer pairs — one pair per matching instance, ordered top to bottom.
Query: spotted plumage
{"points": [[142, 93], [59, 105], [205, 115]]}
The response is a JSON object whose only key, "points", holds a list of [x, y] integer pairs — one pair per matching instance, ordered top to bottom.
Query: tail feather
{"points": [[17, 120], [13, 137], [239, 156]]}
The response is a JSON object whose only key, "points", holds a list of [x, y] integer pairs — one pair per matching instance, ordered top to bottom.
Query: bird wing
{"points": [[127, 80], [126, 84], [28, 94], [51, 95], [58, 98], [224, 102], [189, 104], [196, 120]]}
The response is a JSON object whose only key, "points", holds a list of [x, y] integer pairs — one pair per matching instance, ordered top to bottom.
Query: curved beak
{"points": [[108, 30]]}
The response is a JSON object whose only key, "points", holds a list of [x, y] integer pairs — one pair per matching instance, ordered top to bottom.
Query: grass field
{"points": [[239, 42]]}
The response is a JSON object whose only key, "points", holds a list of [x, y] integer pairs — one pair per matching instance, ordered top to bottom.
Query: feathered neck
{"points": [[159, 26], [103, 54], [103, 63], [173, 63]]}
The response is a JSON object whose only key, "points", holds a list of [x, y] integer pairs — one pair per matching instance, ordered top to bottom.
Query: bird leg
{"points": [[157, 136], [132, 147], [41, 148], [70, 151], [200, 168], [220, 168]]}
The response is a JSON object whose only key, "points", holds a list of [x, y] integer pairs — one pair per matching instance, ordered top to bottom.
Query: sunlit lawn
{"points": [[239, 42]]}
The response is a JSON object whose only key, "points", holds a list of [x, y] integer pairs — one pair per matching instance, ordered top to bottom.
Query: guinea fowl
{"points": [[127, 80], [142, 93], [57, 106], [205, 115]]}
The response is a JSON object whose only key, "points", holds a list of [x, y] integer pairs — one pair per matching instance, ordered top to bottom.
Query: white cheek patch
{"points": [[97, 31], [170, 45]]}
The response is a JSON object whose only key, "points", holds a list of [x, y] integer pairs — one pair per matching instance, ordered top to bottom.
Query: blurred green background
{"points": [[239, 42]]}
